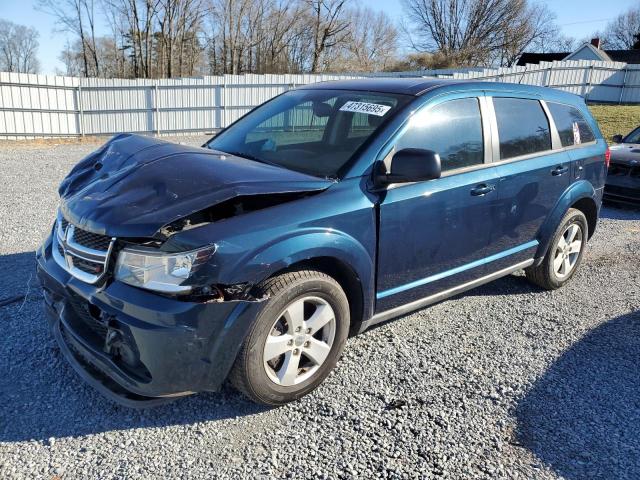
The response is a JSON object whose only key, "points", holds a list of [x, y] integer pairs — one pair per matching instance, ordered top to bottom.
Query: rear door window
{"points": [[523, 127], [572, 127], [452, 129]]}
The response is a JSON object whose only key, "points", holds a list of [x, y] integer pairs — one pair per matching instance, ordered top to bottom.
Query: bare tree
{"points": [[77, 17], [179, 22], [134, 23], [228, 23], [329, 24], [534, 28], [624, 31], [283, 32], [475, 32], [237, 34], [166, 38], [149, 39], [554, 42], [372, 43], [18, 48], [109, 55], [71, 57], [420, 61], [120, 66]]}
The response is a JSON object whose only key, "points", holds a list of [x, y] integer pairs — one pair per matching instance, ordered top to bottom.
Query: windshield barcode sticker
{"points": [[368, 108]]}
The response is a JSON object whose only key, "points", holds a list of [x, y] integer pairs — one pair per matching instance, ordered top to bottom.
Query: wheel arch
{"points": [[580, 195], [590, 210], [339, 255], [342, 273]]}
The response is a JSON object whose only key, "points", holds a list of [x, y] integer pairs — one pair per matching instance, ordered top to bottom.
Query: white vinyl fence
{"points": [[597, 82], [33, 106]]}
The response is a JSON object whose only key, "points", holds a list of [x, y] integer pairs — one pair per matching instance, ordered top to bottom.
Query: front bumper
{"points": [[136, 347]]}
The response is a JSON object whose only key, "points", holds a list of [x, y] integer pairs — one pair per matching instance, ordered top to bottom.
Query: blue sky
{"points": [[578, 18]]}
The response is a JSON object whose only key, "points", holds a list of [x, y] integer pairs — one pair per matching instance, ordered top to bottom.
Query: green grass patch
{"points": [[616, 119]]}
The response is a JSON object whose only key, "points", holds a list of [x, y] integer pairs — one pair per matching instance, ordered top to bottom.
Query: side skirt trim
{"points": [[456, 270], [437, 297]]}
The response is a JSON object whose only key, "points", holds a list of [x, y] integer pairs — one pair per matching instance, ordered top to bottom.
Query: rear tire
{"points": [[564, 254], [302, 328]]}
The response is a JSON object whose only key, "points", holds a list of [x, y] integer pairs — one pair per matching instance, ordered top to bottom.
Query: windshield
{"points": [[309, 131], [633, 137]]}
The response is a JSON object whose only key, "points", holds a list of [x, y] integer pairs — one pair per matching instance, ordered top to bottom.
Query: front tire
{"points": [[564, 254], [296, 339]]}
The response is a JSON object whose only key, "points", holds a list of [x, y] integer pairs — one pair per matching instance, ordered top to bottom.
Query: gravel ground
{"points": [[507, 381]]}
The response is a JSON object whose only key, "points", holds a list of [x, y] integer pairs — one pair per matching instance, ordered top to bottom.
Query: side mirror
{"points": [[617, 139], [413, 165]]}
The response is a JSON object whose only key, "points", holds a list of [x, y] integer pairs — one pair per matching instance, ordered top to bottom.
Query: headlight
{"points": [[163, 272]]}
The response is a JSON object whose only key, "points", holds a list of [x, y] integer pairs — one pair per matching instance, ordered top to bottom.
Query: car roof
{"points": [[408, 86], [417, 86]]}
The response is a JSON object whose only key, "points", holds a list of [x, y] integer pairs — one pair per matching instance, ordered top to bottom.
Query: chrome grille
{"points": [[91, 240], [83, 254]]}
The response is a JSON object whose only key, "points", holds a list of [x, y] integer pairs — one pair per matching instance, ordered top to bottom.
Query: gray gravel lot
{"points": [[507, 381]]}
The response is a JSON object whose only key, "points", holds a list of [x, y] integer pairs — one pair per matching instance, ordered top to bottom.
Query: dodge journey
{"points": [[328, 209]]}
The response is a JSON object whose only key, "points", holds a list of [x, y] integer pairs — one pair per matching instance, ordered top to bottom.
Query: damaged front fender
{"points": [[337, 226], [301, 246]]}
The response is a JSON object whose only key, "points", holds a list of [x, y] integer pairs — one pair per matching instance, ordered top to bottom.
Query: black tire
{"points": [[544, 274], [249, 374]]}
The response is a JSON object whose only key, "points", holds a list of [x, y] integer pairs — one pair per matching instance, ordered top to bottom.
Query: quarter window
{"points": [[523, 127], [572, 127], [452, 129], [633, 137]]}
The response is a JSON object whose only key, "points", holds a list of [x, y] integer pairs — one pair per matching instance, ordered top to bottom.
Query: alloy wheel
{"points": [[568, 250], [299, 341]]}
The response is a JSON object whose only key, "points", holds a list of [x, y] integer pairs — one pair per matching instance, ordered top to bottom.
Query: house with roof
{"points": [[586, 51]]}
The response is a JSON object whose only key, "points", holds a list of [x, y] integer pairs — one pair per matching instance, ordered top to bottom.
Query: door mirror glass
{"points": [[617, 139], [413, 165]]}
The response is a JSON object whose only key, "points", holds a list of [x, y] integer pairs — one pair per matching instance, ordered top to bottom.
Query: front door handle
{"points": [[559, 170], [482, 189]]}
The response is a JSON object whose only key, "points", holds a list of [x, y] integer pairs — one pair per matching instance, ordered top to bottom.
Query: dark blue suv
{"points": [[324, 211]]}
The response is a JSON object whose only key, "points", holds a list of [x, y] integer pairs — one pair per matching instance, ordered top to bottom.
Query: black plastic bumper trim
{"points": [[142, 402]]}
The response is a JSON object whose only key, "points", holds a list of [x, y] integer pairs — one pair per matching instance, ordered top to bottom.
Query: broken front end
{"points": [[139, 316], [137, 345]]}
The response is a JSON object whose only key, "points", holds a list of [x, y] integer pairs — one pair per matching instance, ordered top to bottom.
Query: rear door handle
{"points": [[559, 170], [482, 190]]}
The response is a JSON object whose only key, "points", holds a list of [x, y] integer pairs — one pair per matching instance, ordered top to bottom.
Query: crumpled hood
{"points": [[625, 152], [134, 185]]}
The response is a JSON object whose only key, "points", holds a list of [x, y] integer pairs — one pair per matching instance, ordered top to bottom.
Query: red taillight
{"points": [[607, 157]]}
